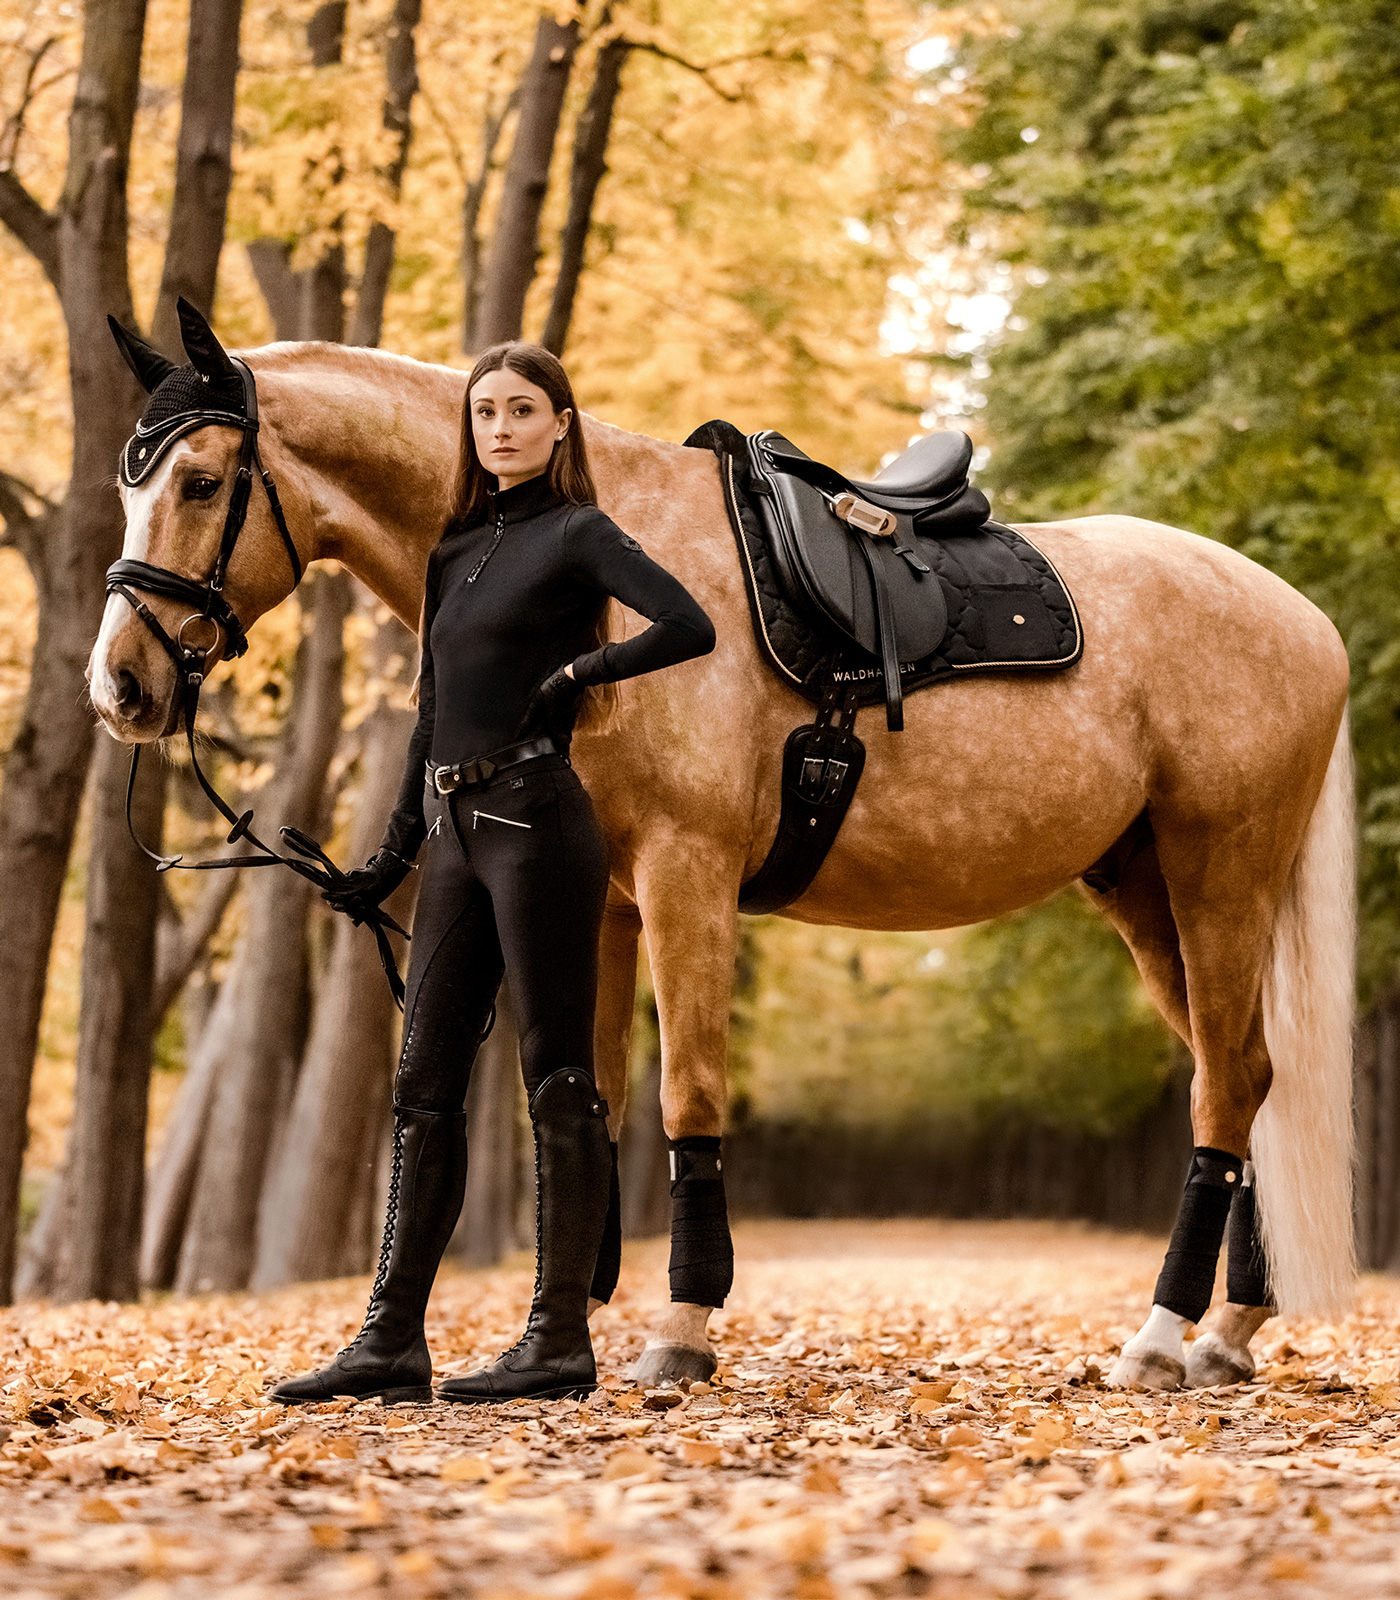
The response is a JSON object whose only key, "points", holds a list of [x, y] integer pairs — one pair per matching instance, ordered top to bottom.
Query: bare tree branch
{"points": [[703, 70], [14, 123], [35, 228], [22, 525]]}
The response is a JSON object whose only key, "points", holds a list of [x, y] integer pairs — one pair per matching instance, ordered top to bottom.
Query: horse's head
{"points": [[178, 473]]}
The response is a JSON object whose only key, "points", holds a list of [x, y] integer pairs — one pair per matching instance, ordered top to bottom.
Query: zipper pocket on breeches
{"points": [[478, 815]]}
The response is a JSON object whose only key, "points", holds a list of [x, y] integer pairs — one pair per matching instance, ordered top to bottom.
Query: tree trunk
{"points": [[401, 73], [590, 162], [203, 167], [471, 219], [515, 243], [83, 249], [279, 285], [309, 304], [179, 953], [259, 1024], [1376, 1108], [328, 1151], [106, 1161], [171, 1183], [100, 1242]]}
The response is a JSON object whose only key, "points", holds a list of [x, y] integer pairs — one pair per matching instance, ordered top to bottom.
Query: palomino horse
{"points": [[1210, 701]]}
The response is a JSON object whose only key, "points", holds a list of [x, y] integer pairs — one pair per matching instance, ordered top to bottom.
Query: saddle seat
{"points": [[931, 469], [850, 553]]}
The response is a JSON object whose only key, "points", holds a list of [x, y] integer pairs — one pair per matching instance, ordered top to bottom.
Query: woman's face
{"points": [[515, 426]]}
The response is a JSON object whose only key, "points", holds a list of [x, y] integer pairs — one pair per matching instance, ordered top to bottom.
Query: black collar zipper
{"points": [[495, 545]]}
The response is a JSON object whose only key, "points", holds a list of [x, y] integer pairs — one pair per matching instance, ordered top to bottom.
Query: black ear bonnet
{"points": [[210, 390]]}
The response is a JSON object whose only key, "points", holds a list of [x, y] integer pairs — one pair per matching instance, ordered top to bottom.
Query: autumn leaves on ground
{"points": [[901, 1408]]}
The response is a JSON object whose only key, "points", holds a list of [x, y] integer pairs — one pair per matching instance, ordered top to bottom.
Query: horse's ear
{"points": [[206, 354], [149, 365]]}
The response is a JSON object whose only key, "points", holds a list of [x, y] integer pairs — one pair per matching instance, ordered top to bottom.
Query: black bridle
{"points": [[212, 611]]}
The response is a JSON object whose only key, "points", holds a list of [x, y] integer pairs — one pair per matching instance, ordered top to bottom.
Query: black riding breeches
{"points": [[514, 876]]}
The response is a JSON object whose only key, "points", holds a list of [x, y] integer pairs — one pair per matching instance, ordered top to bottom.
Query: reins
{"points": [[126, 576]]}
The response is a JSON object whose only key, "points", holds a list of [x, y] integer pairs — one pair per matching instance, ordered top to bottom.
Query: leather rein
{"points": [[212, 612]]}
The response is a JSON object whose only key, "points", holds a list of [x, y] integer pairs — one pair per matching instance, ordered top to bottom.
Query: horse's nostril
{"points": [[128, 695]]}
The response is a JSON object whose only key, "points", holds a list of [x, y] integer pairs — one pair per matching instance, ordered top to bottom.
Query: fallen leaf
{"points": [[961, 1434], [699, 1453], [630, 1464], [820, 1479], [96, 1509]]}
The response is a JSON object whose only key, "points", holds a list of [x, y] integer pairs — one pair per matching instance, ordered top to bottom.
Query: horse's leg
{"points": [[689, 909], [1140, 909], [1224, 932], [612, 1036], [1221, 1353]]}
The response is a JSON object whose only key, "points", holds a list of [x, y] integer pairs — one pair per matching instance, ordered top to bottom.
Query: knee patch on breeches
{"points": [[610, 1250], [702, 1253], [1246, 1271], [1188, 1273]]}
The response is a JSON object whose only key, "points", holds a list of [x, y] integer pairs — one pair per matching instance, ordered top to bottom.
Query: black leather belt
{"points": [[481, 769]]}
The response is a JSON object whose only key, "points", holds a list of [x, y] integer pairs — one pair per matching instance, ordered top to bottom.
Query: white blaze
{"points": [[139, 505]]}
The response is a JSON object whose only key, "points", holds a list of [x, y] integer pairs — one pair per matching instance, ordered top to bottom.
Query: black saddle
{"points": [[849, 553], [864, 592], [956, 592]]}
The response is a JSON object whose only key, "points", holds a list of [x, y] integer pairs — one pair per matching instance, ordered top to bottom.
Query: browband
{"points": [[145, 450]]}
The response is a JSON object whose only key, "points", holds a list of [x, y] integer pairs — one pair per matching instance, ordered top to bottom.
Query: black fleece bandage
{"points": [[610, 1250], [702, 1253], [1246, 1272], [1188, 1273]]}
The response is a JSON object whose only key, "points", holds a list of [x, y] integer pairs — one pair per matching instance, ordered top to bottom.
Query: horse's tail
{"points": [[1302, 1139]]}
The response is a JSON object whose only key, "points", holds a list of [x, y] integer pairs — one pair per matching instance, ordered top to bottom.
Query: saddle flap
{"points": [[823, 566]]}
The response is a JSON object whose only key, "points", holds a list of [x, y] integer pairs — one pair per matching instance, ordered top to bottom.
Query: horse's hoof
{"points": [[664, 1363], [1211, 1363], [1150, 1370]]}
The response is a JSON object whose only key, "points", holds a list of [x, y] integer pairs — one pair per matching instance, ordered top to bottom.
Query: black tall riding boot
{"points": [[573, 1164], [388, 1359]]}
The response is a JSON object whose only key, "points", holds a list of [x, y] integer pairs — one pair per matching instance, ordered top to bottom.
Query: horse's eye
{"points": [[201, 488]]}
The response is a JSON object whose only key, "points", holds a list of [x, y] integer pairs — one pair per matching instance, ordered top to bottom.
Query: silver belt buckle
{"points": [[444, 779]]}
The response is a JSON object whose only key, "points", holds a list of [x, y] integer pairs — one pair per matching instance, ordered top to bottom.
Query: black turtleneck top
{"points": [[510, 601]]}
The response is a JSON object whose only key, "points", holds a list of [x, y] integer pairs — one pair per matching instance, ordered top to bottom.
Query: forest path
{"points": [[902, 1408]]}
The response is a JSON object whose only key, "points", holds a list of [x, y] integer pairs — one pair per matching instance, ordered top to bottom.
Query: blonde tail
{"points": [[1302, 1139]]}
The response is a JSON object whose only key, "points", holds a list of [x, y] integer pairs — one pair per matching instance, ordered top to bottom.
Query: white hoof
{"points": [[666, 1363], [1211, 1363], [1150, 1370]]}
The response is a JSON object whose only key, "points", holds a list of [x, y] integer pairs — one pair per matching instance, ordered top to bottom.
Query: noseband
{"points": [[212, 616]]}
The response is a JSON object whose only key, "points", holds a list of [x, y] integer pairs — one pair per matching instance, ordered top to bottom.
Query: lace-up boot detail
{"points": [[573, 1165], [388, 1358]]}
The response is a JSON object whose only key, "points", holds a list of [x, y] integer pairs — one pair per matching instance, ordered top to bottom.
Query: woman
{"points": [[515, 873]]}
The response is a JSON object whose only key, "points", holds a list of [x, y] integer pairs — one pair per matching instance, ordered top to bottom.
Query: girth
{"points": [[189, 657]]}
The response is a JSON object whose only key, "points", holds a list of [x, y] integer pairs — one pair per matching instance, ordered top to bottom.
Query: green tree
{"points": [[1200, 204]]}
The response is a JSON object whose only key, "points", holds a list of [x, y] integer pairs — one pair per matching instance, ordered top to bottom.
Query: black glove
{"points": [[552, 706], [368, 885]]}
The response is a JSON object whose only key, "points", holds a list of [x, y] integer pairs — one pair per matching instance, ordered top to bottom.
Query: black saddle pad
{"points": [[1007, 609]]}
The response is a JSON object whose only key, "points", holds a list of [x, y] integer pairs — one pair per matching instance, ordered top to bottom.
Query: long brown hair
{"points": [[567, 472]]}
